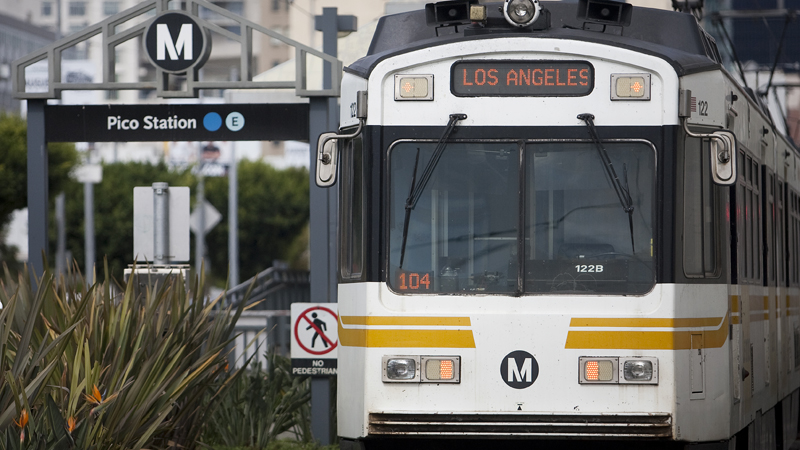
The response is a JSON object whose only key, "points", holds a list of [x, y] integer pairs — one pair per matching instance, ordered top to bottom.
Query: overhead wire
{"points": [[718, 21]]}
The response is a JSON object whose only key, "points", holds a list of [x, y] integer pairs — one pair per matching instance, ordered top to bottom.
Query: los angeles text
{"points": [[526, 77]]}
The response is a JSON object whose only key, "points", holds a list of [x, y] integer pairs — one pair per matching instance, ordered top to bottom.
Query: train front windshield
{"points": [[510, 218]]}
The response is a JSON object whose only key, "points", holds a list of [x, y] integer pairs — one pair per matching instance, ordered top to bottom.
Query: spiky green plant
{"points": [[29, 350], [130, 372]]}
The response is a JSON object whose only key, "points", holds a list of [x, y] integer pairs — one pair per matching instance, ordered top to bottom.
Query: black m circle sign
{"points": [[175, 42], [519, 369]]}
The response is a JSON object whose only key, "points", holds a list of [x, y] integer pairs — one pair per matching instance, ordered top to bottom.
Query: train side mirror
{"points": [[328, 145], [722, 145], [327, 159]]}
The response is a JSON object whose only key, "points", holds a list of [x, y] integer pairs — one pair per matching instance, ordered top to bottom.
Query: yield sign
{"points": [[211, 216], [314, 331]]}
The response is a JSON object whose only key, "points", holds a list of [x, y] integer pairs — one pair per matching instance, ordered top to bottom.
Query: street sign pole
{"points": [[233, 219], [88, 231], [200, 234], [323, 250]]}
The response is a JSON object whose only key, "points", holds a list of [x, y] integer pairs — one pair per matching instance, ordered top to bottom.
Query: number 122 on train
{"points": [[561, 221]]}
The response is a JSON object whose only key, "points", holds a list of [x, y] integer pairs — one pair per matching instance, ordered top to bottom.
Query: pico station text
{"points": [[151, 123]]}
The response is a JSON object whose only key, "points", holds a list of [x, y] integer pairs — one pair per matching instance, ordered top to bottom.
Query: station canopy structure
{"points": [[176, 37], [182, 82]]}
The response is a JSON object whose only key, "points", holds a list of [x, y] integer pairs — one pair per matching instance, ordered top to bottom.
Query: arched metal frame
{"points": [[111, 39]]}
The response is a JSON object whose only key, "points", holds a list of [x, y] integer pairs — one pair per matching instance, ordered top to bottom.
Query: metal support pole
{"points": [[331, 23], [330, 42], [323, 117], [37, 188], [233, 219], [161, 223], [61, 230], [88, 231], [200, 235], [322, 239], [322, 242], [321, 418]]}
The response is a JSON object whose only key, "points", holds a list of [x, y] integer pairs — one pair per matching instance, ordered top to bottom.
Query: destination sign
{"points": [[493, 78]]}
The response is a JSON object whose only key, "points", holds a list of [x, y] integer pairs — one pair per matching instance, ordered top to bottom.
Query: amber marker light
{"points": [[630, 86], [413, 87], [441, 369], [598, 370]]}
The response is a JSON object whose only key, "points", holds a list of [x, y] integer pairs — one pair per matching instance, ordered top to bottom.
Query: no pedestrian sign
{"points": [[315, 338]]}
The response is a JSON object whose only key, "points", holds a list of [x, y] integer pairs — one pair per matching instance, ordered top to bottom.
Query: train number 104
{"points": [[589, 268], [414, 281]]}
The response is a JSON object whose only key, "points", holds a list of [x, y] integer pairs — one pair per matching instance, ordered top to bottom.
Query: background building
{"points": [[17, 39], [759, 41]]}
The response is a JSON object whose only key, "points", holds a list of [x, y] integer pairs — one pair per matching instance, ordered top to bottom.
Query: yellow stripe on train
{"points": [[405, 337], [645, 339]]}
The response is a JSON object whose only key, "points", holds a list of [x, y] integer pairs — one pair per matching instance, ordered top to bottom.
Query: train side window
{"points": [[351, 219], [748, 220], [755, 220], [769, 228], [773, 230], [780, 233], [794, 238], [701, 240]]}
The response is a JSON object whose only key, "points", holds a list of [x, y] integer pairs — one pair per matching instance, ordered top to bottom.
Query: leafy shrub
{"points": [[87, 367], [261, 406]]}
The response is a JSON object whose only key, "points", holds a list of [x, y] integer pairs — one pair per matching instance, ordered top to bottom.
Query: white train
{"points": [[561, 222]]}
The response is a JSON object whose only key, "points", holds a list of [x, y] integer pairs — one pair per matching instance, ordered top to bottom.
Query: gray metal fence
{"points": [[266, 325]]}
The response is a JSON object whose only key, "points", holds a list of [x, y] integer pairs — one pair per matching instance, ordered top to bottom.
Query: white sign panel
{"points": [[88, 173], [143, 227], [315, 338]]}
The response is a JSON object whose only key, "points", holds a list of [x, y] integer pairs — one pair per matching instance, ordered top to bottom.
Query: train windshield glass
{"points": [[541, 217], [580, 235]]}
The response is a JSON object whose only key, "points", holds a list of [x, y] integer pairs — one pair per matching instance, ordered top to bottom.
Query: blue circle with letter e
{"points": [[212, 121], [234, 121]]}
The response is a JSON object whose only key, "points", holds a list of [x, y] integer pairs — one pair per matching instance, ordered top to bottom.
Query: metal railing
{"points": [[266, 326]]}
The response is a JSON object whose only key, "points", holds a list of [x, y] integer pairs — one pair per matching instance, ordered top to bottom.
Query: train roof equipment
{"points": [[675, 38]]}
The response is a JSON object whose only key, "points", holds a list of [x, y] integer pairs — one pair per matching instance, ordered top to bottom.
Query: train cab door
{"points": [[704, 220]]}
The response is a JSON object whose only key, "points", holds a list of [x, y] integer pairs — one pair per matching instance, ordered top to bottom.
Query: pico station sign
{"points": [[175, 42], [180, 122], [315, 338]]}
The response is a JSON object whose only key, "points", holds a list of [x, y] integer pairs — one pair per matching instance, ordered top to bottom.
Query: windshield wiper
{"points": [[416, 189], [623, 192]]}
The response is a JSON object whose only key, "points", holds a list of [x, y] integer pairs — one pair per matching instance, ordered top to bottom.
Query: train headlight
{"points": [[521, 13], [400, 368], [640, 370]]}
